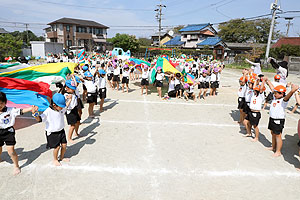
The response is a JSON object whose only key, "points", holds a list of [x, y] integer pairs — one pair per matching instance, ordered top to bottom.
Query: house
{"points": [[77, 33], [199, 36], [164, 37], [294, 41], [242, 48]]}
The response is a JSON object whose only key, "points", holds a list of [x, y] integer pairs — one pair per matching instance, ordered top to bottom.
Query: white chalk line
{"points": [[173, 103], [180, 123], [129, 171]]}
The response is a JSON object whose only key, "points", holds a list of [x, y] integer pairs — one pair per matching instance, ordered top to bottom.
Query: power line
{"points": [[94, 7]]}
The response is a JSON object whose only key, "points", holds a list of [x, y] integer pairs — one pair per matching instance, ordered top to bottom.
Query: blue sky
{"points": [[139, 13]]}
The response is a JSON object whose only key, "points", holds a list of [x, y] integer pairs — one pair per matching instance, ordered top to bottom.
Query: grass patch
{"points": [[243, 66]]}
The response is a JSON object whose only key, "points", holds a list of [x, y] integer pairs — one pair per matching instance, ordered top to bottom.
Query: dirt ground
{"points": [[144, 148]]}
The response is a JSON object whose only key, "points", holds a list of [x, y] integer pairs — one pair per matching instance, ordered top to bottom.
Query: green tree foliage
{"points": [[177, 28], [241, 30], [23, 36], [144, 41], [126, 42], [9, 46], [285, 50]]}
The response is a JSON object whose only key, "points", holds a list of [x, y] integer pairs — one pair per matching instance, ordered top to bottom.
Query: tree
{"points": [[177, 28], [241, 30], [23, 36], [144, 41], [126, 42], [9, 46], [285, 50]]}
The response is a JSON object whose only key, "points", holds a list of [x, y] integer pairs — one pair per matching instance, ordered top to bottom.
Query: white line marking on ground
{"points": [[173, 103], [179, 123], [129, 171]]}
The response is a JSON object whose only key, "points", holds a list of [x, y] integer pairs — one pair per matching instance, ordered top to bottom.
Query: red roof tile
{"points": [[295, 41]]}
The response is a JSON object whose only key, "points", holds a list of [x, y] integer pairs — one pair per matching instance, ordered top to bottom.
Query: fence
{"points": [[294, 64]]}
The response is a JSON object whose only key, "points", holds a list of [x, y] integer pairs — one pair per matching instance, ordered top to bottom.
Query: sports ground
{"points": [[144, 148]]}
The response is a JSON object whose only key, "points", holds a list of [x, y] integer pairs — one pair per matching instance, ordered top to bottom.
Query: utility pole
{"points": [[274, 8], [158, 17], [288, 25], [27, 37]]}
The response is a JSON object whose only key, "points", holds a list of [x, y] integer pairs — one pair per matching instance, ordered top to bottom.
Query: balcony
{"points": [[52, 34], [83, 35]]}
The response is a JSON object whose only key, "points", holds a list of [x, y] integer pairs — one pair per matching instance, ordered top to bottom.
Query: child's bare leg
{"points": [[118, 85], [123, 85], [127, 87], [142, 89], [146, 89], [211, 92], [204, 93], [84, 94], [194, 97], [101, 105], [265, 105], [294, 109], [80, 112], [241, 116], [246, 123], [76, 128], [71, 130], [256, 130], [278, 145], [273, 148], [1, 153], [12, 153], [62, 153], [55, 156]]}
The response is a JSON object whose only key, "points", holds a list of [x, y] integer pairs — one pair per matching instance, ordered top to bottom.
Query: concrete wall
{"points": [[42, 48], [294, 63]]}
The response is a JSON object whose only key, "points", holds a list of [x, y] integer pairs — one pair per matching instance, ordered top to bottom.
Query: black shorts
{"points": [[132, 70], [121, 71], [109, 76], [116, 78], [125, 79], [144, 81], [158, 83], [214, 84], [201, 85], [84, 87], [102, 93], [172, 93], [190, 95], [91, 97], [269, 98], [241, 102], [80, 104], [246, 108], [73, 117], [253, 118], [276, 125], [7, 136], [55, 139]]}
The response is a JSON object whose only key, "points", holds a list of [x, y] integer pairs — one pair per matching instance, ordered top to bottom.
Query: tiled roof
{"points": [[79, 22], [194, 27], [2, 30], [176, 41], [211, 41], [295, 41]]}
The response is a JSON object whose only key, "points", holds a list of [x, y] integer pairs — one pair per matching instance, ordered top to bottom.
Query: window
{"points": [[53, 27], [68, 28], [80, 29], [99, 31], [69, 43], [219, 51]]}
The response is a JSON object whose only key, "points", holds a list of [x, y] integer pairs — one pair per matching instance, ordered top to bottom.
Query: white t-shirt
{"points": [[117, 71], [125, 73], [283, 73], [145, 74], [160, 76], [213, 77], [201, 79], [177, 81], [102, 83], [90, 86], [171, 86], [191, 89], [242, 91], [248, 94], [73, 102], [256, 102], [277, 107], [8, 117], [54, 120]]}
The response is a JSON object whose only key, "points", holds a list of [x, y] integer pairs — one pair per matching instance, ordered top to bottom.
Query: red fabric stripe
{"points": [[20, 84]]}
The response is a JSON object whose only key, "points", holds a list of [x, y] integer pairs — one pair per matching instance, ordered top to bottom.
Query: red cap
{"points": [[277, 77], [280, 88]]}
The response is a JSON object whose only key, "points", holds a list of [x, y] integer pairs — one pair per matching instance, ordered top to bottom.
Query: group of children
{"points": [[252, 99]]}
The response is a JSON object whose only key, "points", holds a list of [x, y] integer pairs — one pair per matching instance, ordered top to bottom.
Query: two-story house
{"points": [[77, 33], [198, 36]]}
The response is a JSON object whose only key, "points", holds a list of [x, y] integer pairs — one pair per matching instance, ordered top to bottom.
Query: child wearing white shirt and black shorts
{"points": [[145, 79], [102, 88], [277, 115], [53, 117], [7, 132]]}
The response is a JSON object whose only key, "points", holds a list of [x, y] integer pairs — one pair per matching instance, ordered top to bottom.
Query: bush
{"points": [[285, 50]]}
